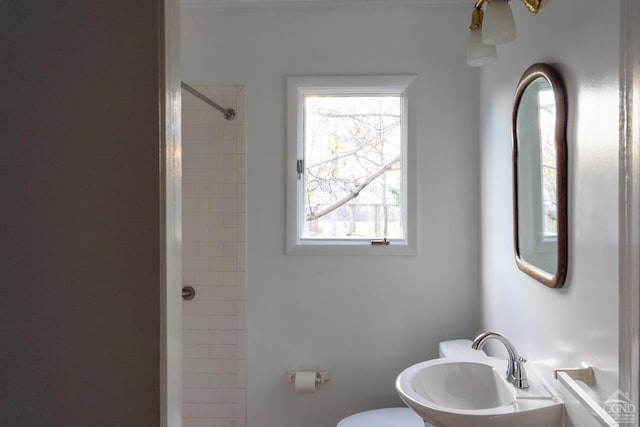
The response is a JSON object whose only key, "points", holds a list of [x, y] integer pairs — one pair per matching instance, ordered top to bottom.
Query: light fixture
{"points": [[498, 27], [478, 53]]}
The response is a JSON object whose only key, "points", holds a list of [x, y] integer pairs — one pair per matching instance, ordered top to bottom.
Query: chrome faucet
{"points": [[516, 374]]}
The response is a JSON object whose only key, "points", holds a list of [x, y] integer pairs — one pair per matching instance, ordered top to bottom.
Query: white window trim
{"points": [[297, 87]]}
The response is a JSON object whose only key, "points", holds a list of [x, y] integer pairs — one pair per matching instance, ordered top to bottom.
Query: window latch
{"points": [[300, 168], [380, 242]]}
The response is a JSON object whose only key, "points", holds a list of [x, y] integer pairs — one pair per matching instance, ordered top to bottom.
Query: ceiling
{"points": [[236, 3]]}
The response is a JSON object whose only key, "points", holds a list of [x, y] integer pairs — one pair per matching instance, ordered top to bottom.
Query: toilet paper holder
{"points": [[321, 376]]}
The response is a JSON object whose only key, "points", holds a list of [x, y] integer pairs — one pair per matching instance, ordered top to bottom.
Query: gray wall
{"points": [[79, 228]]}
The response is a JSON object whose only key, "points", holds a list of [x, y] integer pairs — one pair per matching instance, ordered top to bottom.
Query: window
{"points": [[547, 125], [351, 170]]}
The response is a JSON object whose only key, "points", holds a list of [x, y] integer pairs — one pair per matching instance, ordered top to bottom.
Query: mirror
{"points": [[539, 124]]}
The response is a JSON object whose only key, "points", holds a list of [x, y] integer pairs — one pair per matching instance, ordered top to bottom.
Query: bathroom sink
{"points": [[467, 385], [473, 393]]}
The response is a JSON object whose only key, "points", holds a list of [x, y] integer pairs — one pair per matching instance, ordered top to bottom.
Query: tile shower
{"points": [[214, 259]]}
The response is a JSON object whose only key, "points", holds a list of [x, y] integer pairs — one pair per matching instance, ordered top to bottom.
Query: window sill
{"points": [[366, 249]]}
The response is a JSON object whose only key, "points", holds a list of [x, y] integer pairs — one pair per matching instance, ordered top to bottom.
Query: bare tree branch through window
{"points": [[353, 173]]}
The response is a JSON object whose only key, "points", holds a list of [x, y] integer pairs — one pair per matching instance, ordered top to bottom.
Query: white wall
{"points": [[364, 319], [558, 327]]}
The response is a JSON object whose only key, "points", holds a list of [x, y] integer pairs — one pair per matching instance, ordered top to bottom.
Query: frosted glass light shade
{"points": [[498, 26], [478, 53]]}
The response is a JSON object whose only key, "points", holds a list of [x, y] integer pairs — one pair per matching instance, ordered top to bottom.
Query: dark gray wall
{"points": [[79, 213]]}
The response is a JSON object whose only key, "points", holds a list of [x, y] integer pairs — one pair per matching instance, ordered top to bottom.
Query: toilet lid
{"points": [[387, 417]]}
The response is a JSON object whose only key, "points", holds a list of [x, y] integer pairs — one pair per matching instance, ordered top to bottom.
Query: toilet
{"points": [[385, 417], [405, 417]]}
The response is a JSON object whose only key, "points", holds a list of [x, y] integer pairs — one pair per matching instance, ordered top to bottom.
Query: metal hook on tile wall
{"points": [[229, 113]]}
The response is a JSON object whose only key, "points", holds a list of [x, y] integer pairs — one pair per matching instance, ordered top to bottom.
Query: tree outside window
{"points": [[352, 173]]}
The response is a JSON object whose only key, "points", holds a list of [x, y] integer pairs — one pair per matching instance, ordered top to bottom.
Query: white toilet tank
{"points": [[460, 349]]}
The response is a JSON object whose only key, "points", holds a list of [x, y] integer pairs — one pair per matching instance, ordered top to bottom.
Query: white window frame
{"points": [[297, 88]]}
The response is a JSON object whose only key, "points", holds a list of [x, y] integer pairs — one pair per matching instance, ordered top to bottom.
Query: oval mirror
{"points": [[539, 124]]}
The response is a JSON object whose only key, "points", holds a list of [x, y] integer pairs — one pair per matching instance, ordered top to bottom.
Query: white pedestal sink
{"points": [[473, 393]]}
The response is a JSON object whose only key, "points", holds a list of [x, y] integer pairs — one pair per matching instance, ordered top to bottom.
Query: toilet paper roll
{"points": [[305, 382]]}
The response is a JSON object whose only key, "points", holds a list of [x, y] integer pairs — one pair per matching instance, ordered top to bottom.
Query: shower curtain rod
{"points": [[229, 113]]}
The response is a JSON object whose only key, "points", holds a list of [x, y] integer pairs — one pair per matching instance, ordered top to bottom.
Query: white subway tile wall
{"points": [[214, 259]]}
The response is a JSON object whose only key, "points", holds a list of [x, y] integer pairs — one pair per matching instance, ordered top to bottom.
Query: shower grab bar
{"points": [[229, 113]]}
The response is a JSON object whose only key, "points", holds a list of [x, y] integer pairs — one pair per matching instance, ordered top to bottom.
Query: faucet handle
{"points": [[519, 375]]}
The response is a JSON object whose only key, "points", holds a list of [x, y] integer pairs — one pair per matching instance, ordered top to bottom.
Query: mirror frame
{"points": [[547, 72]]}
